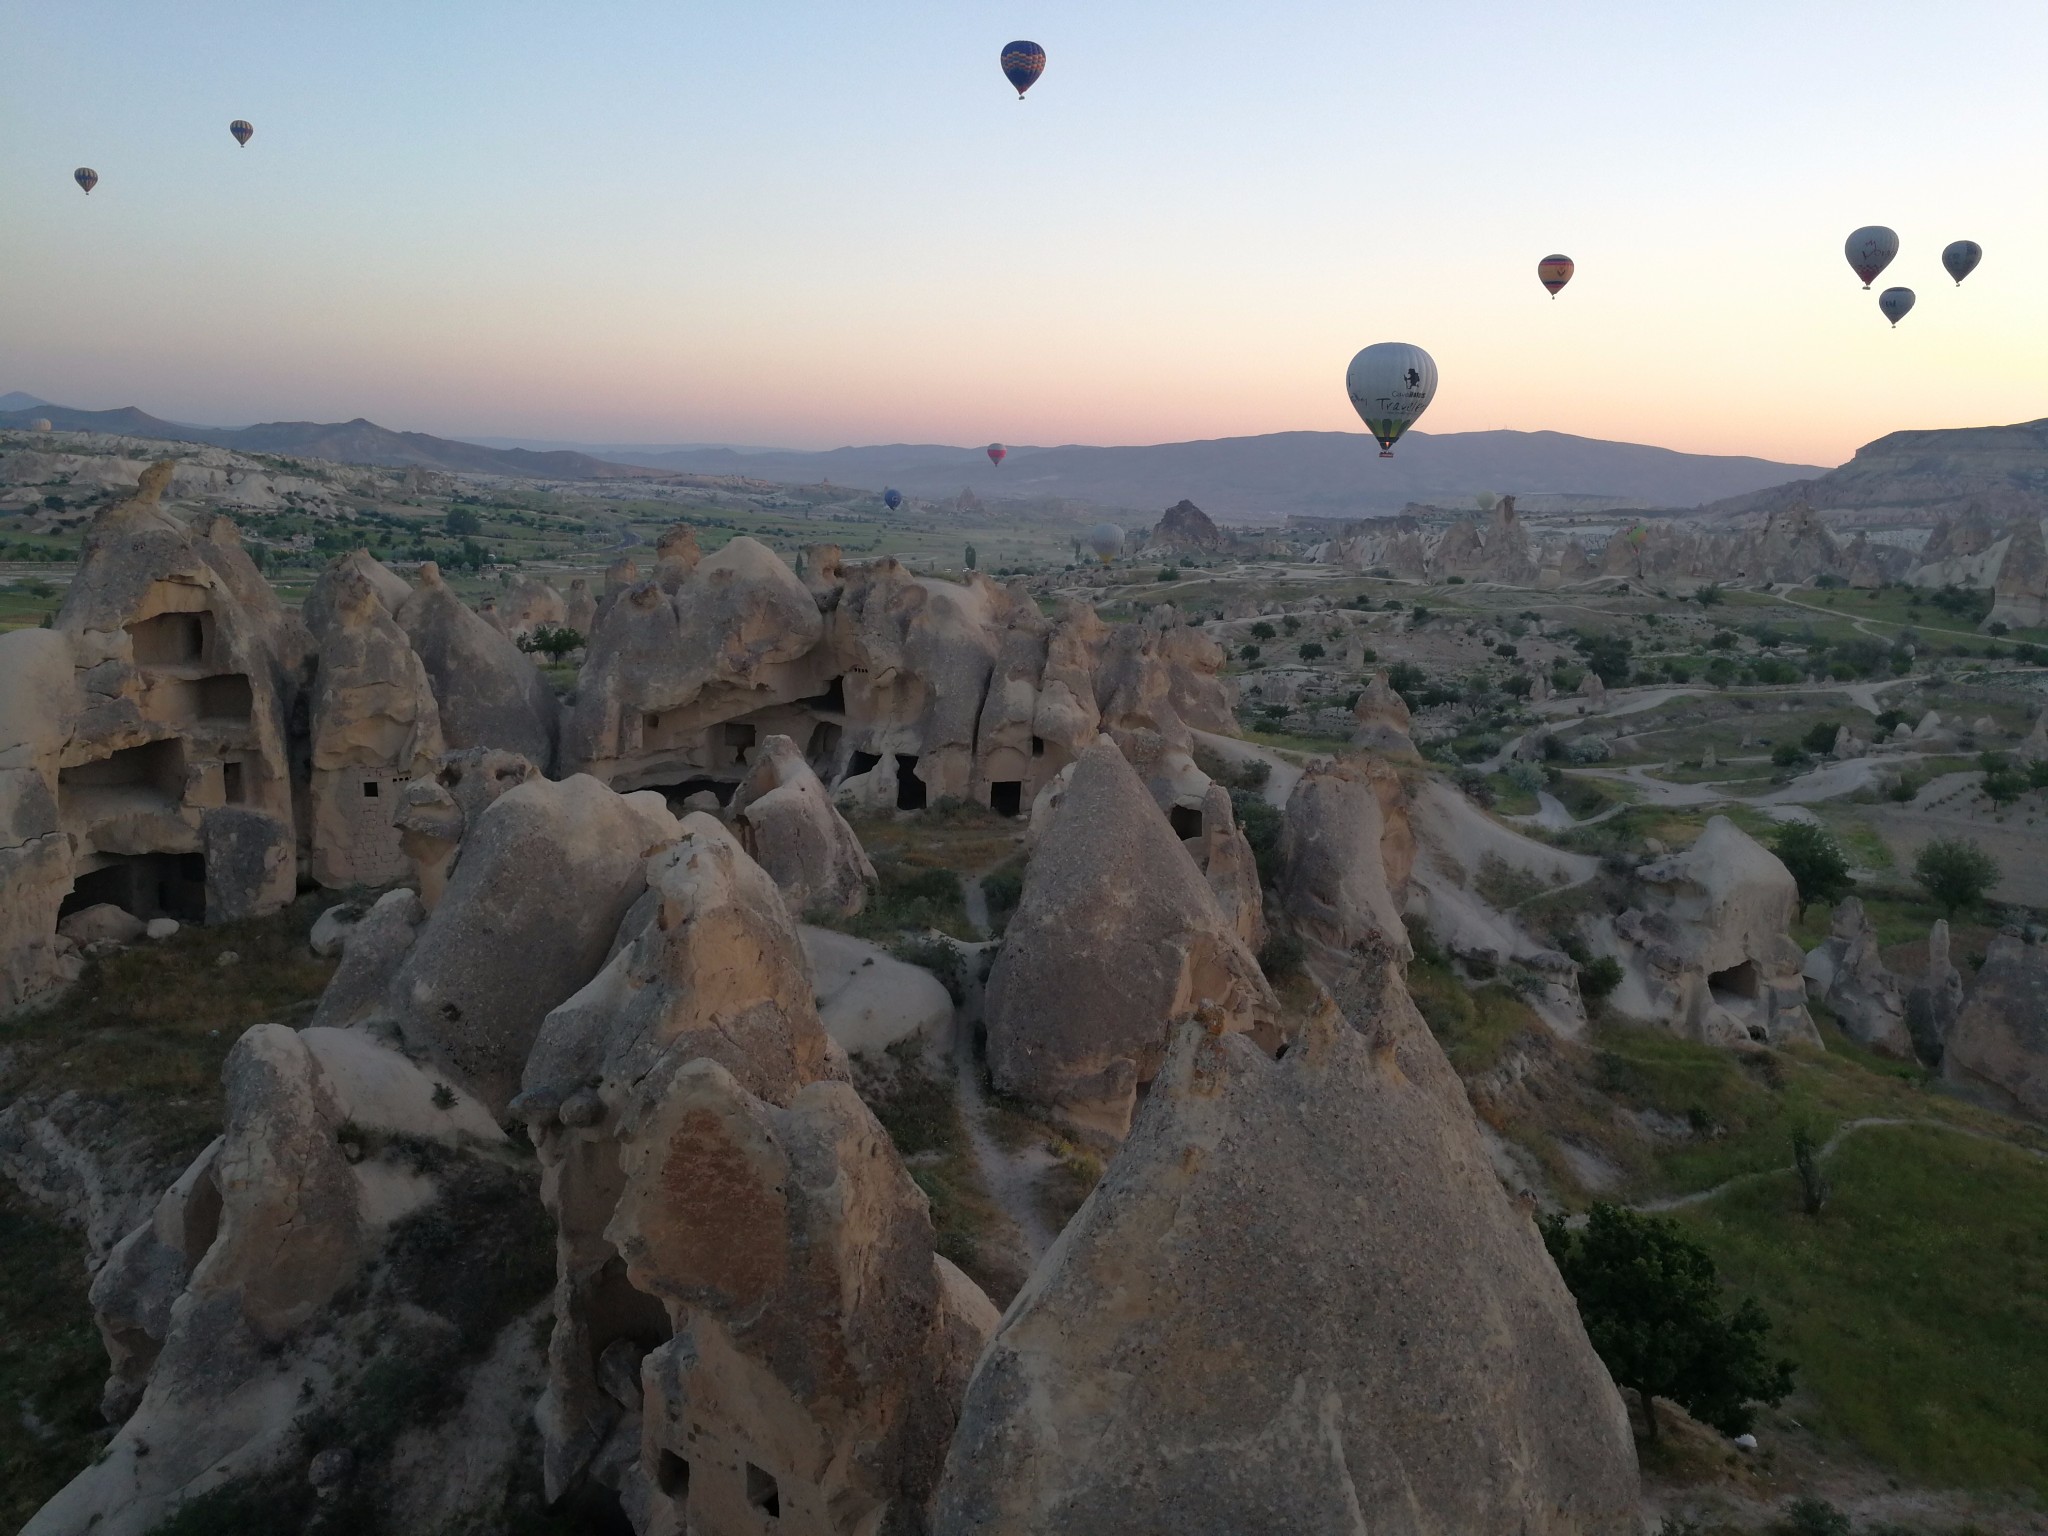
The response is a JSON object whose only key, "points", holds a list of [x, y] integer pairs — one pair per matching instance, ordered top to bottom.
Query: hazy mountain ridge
{"points": [[2002, 471], [1275, 475]]}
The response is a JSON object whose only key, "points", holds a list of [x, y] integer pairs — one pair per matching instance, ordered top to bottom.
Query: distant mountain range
{"points": [[347, 442], [2002, 471], [1270, 477]]}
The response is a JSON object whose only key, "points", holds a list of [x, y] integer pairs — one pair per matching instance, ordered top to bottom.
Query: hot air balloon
{"points": [[1023, 63], [242, 130], [86, 177], [1870, 250], [1961, 258], [1553, 272], [1895, 302], [1390, 383], [40, 424], [997, 453], [892, 498], [1106, 540]]}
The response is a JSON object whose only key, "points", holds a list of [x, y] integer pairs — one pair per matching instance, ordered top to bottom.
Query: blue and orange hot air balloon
{"points": [[1023, 63], [243, 130], [1553, 272], [997, 453], [892, 498]]}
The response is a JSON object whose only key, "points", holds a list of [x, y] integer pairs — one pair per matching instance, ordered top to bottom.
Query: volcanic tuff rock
{"points": [[1186, 529], [2021, 592], [489, 691], [39, 697], [1382, 716], [438, 809], [787, 823], [1345, 851], [1231, 869], [540, 885], [1117, 936], [1707, 949], [1846, 972], [1934, 1001], [1997, 1050], [1298, 1301], [749, 1314]]}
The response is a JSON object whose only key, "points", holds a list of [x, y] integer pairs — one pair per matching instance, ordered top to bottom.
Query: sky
{"points": [[810, 223]]}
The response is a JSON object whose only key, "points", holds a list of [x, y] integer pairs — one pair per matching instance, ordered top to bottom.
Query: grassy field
{"points": [[1916, 1303], [52, 1364]]}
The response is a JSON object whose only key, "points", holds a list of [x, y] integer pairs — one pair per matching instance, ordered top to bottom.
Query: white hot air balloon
{"points": [[1870, 250], [1895, 302], [1390, 384], [1106, 540]]}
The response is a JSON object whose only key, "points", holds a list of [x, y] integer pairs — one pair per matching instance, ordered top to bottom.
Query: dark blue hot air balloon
{"points": [[1023, 63], [892, 498]]}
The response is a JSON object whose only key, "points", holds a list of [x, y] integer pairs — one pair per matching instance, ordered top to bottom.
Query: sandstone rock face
{"points": [[185, 672], [489, 692], [39, 698], [375, 726], [788, 825], [1232, 871], [540, 885], [1117, 936], [1708, 950], [1847, 973], [1936, 999], [1997, 1049], [1299, 1301], [208, 1308], [751, 1324]]}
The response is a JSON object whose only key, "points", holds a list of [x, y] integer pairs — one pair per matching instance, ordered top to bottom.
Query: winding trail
{"points": [[1827, 1150]]}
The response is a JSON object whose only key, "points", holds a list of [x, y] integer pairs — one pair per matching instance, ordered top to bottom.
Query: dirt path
{"points": [[1282, 776], [1842, 1133]]}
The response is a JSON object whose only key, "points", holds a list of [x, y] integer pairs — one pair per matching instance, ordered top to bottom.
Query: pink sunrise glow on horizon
{"points": [[812, 227]]}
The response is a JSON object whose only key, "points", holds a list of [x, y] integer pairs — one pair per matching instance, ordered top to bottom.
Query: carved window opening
{"points": [[910, 792], [763, 1493]]}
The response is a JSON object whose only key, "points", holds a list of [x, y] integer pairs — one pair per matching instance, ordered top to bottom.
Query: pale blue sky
{"points": [[813, 223]]}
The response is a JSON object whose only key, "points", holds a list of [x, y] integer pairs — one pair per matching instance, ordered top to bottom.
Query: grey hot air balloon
{"points": [[243, 130], [86, 177], [1870, 250], [1961, 258], [1895, 302], [1390, 384], [1107, 541]]}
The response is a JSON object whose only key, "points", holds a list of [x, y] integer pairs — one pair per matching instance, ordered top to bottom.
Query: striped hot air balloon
{"points": [[1023, 63], [243, 130], [86, 177], [1554, 272], [997, 453]]}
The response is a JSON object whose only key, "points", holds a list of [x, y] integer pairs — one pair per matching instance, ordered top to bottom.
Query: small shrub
{"points": [[1281, 956], [938, 957], [1599, 977]]}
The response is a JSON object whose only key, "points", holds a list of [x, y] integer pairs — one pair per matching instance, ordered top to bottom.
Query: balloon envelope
{"points": [[1023, 63], [242, 130], [86, 177], [1870, 250], [1961, 258], [1553, 272], [1895, 302], [1390, 384], [40, 424], [997, 453], [892, 498], [1106, 540]]}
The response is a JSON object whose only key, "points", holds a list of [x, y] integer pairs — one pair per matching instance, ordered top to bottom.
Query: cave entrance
{"points": [[170, 639], [831, 702], [739, 741], [823, 747], [909, 787], [676, 794], [1006, 796], [1186, 820], [145, 885], [1738, 981]]}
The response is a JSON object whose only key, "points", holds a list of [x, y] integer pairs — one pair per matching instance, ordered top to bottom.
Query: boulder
{"points": [[489, 692], [436, 811], [788, 825], [1334, 856], [539, 888], [101, 924], [1117, 936], [372, 948], [1847, 973], [869, 1001], [1996, 1052], [1298, 1301]]}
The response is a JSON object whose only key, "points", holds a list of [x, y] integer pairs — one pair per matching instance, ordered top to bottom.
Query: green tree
{"points": [[462, 521], [970, 557], [1169, 573], [1708, 596], [1263, 631], [553, 641], [1311, 651], [1247, 653], [1820, 740], [1816, 862], [1956, 872], [1652, 1305]]}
